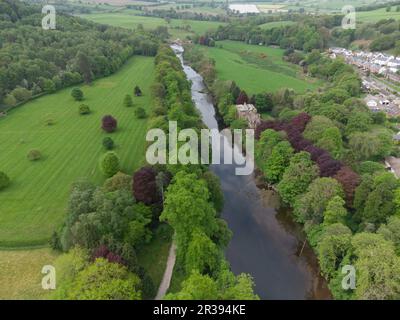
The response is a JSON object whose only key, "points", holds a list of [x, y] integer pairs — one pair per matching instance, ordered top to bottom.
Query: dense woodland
{"points": [[307, 34], [380, 36], [34, 60]]}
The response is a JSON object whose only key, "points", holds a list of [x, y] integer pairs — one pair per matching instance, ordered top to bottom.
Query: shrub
{"points": [[137, 91], [21, 94], [77, 94], [10, 100], [128, 101], [84, 109], [140, 113], [49, 120], [109, 123], [239, 124], [108, 143], [34, 155], [109, 164], [4, 180], [119, 181], [145, 186], [55, 242], [103, 252]]}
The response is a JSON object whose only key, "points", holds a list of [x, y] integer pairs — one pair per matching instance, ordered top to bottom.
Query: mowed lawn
{"points": [[131, 21], [257, 68], [33, 206], [21, 273]]}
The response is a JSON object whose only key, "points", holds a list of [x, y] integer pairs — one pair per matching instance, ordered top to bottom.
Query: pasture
{"points": [[329, 5], [189, 7], [376, 15], [176, 27], [257, 68], [33, 206]]}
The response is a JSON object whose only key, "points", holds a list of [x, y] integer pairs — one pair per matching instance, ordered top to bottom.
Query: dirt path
{"points": [[164, 286]]}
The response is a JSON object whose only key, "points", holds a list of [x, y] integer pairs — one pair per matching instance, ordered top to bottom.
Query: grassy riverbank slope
{"points": [[257, 68]]}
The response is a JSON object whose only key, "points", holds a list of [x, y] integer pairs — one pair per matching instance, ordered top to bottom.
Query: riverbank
{"points": [[264, 242]]}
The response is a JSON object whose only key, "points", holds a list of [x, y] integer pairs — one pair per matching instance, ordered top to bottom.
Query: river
{"points": [[266, 242]]}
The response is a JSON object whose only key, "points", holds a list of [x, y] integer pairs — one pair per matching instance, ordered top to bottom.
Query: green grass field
{"points": [[331, 5], [179, 8], [376, 15], [131, 21], [274, 24], [257, 68], [34, 204], [20, 273]]}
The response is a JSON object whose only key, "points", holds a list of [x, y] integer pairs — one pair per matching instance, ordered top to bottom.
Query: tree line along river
{"points": [[266, 242]]}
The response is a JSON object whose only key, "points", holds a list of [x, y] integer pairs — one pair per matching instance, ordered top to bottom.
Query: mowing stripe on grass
{"points": [[34, 204]]}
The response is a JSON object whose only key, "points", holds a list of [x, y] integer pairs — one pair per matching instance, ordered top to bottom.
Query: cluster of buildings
{"points": [[374, 62], [379, 73]]}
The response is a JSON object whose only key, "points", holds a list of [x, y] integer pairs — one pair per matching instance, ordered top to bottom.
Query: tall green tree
{"points": [[84, 67], [128, 101], [316, 127], [268, 139], [331, 141], [110, 164], [276, 164], [297, 177], [379, 204], [311, 205], [187, 208], [335, 211], [391, 232], [333, 247], [202, 254], [378, 268], [103, 280], [196, 287]]}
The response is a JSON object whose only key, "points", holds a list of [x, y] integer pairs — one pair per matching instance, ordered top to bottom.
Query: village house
{"points": [[375, 62], [382, 97], [249, 113]]}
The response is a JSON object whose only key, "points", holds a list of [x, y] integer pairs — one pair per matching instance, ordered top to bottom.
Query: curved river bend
{"points": [[266, 243]]}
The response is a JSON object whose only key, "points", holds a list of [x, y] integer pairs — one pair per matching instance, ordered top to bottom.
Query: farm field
{"points": [[331, 5], [179, 7], [267, 8], [376, 15], [132, 21], [274, 24], [257, 68], [34, 204], [20, 273]]}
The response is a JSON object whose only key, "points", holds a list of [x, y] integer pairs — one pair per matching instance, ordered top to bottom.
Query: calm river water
{"points": [[266, 242]]}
